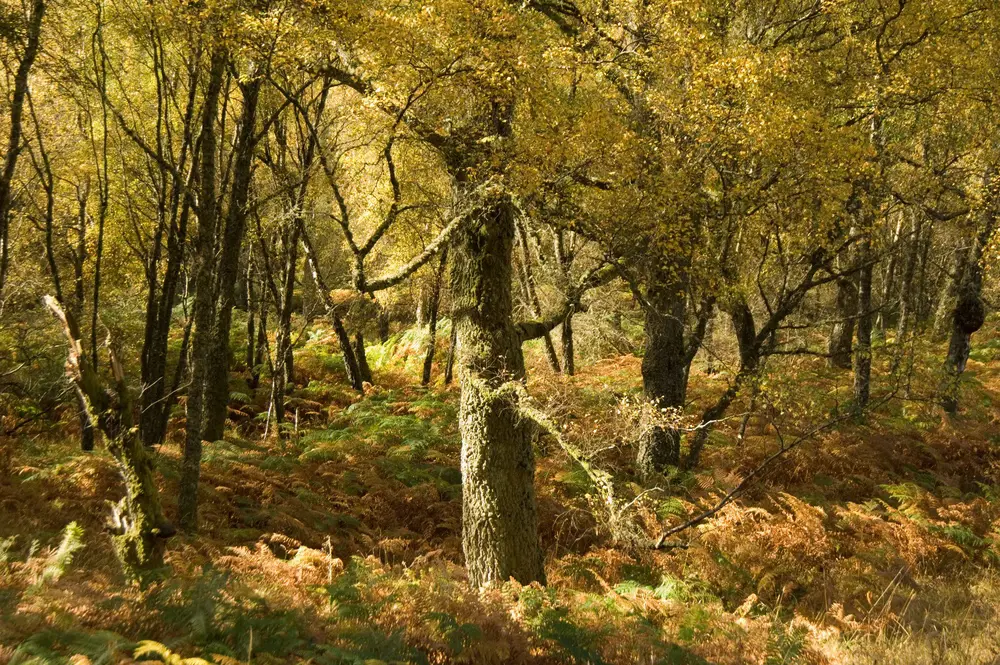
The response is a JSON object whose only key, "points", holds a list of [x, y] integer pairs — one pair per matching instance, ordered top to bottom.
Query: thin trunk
{"points": [[17, 103], [103, 183], [890, 278], [949, 291], [531, 297], [907, 299], [204, 303], [435, 306], [923, 312], [969, 313], [384, 322], [283, 339], [841, 342], [749, 345], [260, 348], [251, 352], [863, 352], [361, 355], [569, 362], [449, 365], [354, 376], [217, 390], [499, 517]]}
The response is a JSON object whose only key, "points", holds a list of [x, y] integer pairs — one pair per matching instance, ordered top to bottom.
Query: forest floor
{"points": [[872, 542]]}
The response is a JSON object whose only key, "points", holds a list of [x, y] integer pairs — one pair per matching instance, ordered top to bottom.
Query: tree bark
{"points": [[20, 94], [888, 285], [531, 297], [204, 303], [435, 307], [969, 313], [841, 343], [863, 352], [362, 357], [569, 360], [449, 365], [664, 371], [354, 376], [217, 389], [499, 517], [138, 525]]}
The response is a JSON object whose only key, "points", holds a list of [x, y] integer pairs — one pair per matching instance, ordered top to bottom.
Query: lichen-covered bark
{"points": [[204, 303], [969, 313], [841, 343], [863, 352], [569, 361], [664, 370], [216, 404], [499, 518], [139, 528]]}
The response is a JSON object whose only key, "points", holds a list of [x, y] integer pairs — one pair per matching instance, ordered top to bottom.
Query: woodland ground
{"points": [[874, 543]]}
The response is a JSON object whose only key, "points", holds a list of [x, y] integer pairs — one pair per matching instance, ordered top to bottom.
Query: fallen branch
{"points": [[759, 471]]}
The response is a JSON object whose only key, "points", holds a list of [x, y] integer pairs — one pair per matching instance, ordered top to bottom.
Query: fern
{"points": [[5, 546], [59, 561], [552, 622], [458, 636], [53, 647], [786, 647], [151, 648]]}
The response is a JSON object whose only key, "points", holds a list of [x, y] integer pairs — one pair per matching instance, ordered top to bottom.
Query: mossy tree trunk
{"points": [[204, 302], [969, 313], [841, 344], [664, 371], [216, 400], [499, 518], [138, 525]]}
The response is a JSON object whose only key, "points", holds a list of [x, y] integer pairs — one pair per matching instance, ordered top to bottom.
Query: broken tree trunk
{"points": [[139, 527]]}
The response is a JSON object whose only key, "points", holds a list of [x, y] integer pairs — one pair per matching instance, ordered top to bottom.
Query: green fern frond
{"points": [[59, 561]]}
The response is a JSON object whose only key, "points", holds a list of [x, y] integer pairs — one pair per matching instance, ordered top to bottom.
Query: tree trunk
{"points": [[16, 112], [888, 284], [948, 293], [531, 297], [907, 299], [204, 303], [435, 307], [923, 312], [969, 314], [383, 324], [841, 343], [749, 345], [260, 347], [863, 353], [362, 357], [569, 361], [449, 365], [664, 371], [354, 376], [217, 390], [154, 404], [499, 517], [137, 522]]}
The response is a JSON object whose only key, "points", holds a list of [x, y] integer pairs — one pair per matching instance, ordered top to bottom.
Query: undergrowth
{"points": [[340, 542]]}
